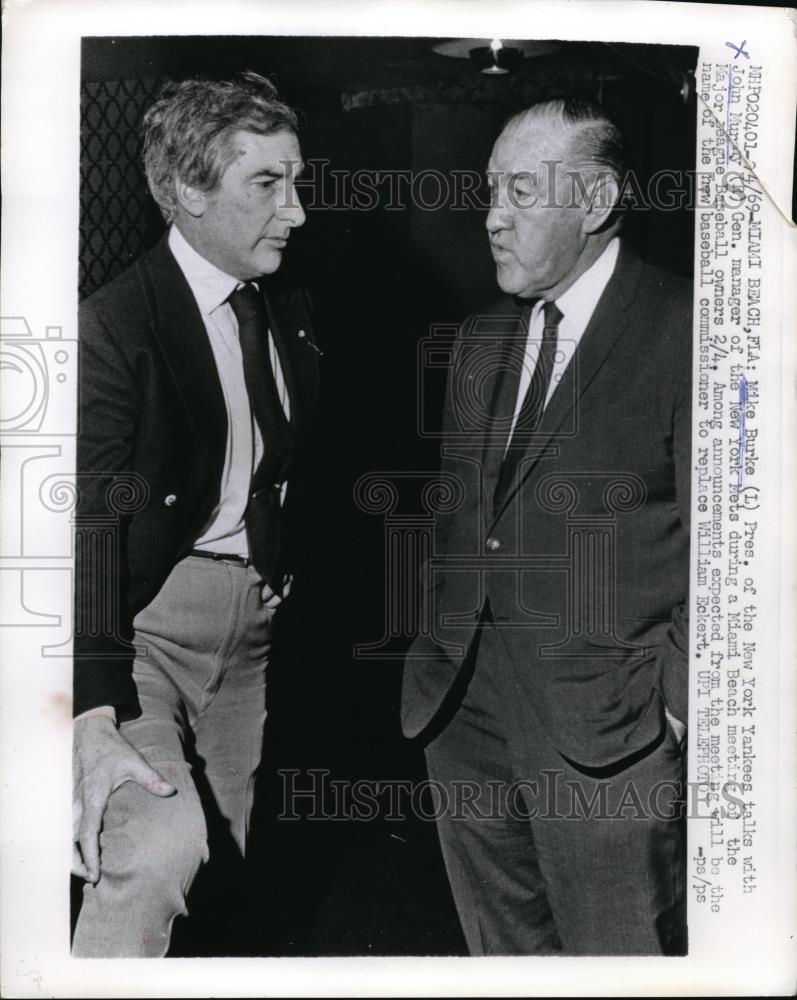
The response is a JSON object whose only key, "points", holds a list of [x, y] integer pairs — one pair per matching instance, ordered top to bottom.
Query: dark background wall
{"points": [[379, 279]]}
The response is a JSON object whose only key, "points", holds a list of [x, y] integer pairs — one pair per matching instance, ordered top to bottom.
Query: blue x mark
{"points": [[740, 50]]}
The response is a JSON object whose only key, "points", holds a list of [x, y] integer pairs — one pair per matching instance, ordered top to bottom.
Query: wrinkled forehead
{"points": [[245, 141], [524, 145], [274, 153]]}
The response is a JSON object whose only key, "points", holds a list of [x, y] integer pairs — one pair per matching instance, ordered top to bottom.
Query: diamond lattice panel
{"points": [[118, 219]]}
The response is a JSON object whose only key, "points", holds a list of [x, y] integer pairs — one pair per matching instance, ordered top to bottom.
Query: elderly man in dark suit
{"points": [[196, 385], [549, 681]]}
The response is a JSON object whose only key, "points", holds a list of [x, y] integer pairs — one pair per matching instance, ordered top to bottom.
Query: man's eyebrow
{"points": [[265, 172], [276, 172]]}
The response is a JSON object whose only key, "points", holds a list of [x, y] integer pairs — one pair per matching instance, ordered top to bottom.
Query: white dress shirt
{"points": [[211, 288], [577, 305]]}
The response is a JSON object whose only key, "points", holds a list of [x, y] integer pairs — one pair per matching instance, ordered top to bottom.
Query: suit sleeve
{"points": [[449, 429], [107, 490], [442, 520]]}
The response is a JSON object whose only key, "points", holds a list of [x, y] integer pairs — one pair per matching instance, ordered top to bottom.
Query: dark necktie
{"points": [[533, 405], [263, 516]]}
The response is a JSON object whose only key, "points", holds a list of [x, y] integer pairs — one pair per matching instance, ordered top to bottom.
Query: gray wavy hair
{"points": [[187, 131], [594, 137]]}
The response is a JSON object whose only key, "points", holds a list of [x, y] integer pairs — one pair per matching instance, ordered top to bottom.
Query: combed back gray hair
{"points": [[187, 131], [594, 140]]}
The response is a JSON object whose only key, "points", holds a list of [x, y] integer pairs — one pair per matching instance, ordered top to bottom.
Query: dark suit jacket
{"points": [[152, 434], [586, 563]]}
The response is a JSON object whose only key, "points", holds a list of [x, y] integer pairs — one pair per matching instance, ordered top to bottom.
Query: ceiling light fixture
{"points": [[497, 56], [496, 59]]}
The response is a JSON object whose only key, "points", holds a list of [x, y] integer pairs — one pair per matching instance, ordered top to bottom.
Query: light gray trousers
{"points": [[200, 671]]}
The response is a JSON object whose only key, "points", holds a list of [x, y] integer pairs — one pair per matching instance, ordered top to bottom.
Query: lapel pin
{"points": [[303, 336]]}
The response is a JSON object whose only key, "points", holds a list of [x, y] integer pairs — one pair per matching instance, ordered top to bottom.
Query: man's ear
{"points": [[604, 194], [192, 199]]}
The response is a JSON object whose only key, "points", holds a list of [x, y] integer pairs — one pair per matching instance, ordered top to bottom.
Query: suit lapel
{"points": [[606, 326], [511, 329], [180, 331], [293, 338]]}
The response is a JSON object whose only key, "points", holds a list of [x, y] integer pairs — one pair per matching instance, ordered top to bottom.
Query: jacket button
{"points": [[302, 334], [170, 500], [493, 544]]}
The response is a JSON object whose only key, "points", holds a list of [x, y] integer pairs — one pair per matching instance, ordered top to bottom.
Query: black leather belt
{"points": [[221, 557]]}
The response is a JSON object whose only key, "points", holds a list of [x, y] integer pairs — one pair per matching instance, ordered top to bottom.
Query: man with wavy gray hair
{"points": [[197, 384], [550, 683]]}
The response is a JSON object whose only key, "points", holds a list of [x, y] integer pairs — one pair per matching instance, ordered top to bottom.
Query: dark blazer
{"points": [[152, 431], [585, 565]]}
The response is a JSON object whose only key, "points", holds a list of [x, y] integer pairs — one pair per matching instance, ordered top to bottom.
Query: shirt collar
{"points": [[211, 287], [578, 303]]}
